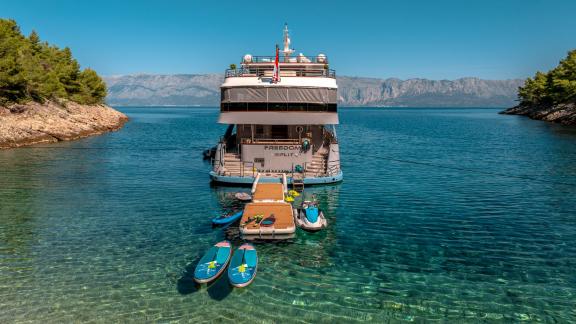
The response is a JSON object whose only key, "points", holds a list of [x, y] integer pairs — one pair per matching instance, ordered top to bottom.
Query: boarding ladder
{"points": [[298, 182]]}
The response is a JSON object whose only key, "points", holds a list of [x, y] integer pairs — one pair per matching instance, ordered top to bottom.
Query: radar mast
{"points": [[287, 50]]}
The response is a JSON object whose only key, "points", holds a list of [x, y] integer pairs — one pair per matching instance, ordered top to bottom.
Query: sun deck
{"points": [[298, 66], [287, 70]]}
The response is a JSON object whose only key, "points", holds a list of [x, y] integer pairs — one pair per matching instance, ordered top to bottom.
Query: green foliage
{"points": [[34, 70], [554, 87]]}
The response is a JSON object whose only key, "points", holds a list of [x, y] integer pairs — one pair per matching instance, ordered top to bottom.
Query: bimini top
{"points": [[278, 118]]}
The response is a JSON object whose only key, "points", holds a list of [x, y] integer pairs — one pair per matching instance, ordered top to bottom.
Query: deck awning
{"points": [[279, 118]]}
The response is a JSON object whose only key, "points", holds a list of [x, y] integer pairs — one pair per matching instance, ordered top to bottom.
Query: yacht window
{"points": [[238, 106], [257, 106], [277, 107], [296, 107], [316, 107], [259, 131], [279, 131]]}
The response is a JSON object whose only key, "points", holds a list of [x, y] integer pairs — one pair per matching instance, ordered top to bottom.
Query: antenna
{"points": [[287, 50]]}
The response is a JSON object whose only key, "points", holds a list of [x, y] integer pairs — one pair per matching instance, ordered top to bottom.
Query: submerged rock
{"points": [[561, 113], [34, 123]]}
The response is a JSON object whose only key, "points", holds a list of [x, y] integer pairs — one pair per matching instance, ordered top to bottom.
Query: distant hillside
{"points": [[203, 89], [160, 90], [465, 92]]}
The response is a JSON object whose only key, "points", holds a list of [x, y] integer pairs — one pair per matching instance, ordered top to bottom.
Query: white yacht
{"points": [[281, 111]]}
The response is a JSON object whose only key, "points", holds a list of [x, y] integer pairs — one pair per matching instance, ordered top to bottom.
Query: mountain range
{"points": [[203, 90]]}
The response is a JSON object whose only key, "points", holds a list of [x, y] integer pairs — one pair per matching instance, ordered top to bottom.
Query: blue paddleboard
{"points": [[213, 263], [243, 266]]}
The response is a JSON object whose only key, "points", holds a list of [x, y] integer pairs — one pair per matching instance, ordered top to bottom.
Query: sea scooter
{"points": [[310, 217]]}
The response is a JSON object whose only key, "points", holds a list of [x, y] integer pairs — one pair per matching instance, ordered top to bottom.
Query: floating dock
{"points": [[268, 200]]}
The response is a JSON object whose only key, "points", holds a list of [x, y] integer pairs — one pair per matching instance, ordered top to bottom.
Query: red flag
{"points": [[276, 75]]}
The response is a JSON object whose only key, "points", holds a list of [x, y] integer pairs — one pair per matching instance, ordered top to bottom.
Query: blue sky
{"points": [[433, 39]]}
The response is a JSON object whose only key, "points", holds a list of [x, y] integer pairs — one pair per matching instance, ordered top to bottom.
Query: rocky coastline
{"points": [[561, 113], [34, 123]]}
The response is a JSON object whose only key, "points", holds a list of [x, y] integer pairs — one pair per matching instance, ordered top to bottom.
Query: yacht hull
{"points": [[248, 181]]}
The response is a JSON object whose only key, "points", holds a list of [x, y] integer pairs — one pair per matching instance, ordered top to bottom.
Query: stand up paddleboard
{"points": [[213, 263], [243, 266]]}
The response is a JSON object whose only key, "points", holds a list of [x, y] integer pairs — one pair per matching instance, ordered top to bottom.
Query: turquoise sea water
{"points": [[444, 214]]}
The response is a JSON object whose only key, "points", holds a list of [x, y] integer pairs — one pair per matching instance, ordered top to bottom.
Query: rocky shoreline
{"points": [[562, 113], [35, 123]]}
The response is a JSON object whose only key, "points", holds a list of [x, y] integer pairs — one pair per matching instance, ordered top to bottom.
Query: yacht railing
{"points": [[297, 59], [268, 71], [275, 107], [288, 141], [221, 153], [243, 167], [247, 169]]}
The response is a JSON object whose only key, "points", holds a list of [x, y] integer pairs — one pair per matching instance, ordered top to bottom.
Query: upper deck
{"points": [[299, 66], [263, 88]]}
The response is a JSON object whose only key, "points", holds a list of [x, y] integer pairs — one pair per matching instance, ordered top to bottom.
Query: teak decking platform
{"points": [[269, 192], [268, 200], [282, 212]]}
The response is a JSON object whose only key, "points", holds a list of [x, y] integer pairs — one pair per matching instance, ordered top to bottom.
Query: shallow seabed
{"points": [[444, 214]]}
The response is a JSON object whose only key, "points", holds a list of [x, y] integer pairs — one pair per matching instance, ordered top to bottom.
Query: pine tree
{"points": [[34, 40], [33, 70], [12, 78], [563, 79], [554, 87], [95, 88]]}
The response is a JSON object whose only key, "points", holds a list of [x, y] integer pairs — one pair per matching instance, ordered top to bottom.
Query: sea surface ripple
{"points": [[444, 214]]}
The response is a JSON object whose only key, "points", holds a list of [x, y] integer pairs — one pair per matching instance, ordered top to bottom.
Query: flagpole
{"points": [[276, 75]]}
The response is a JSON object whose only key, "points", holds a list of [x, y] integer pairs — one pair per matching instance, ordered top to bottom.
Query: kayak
{"points": [[225, 219], [268, 221], [213, 263], [243, 266]]}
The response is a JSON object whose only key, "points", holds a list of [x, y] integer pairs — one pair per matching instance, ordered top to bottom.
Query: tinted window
{"points": [[237, 106], [257, 106], [277, 106], [296, 107], [316, 107]]}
